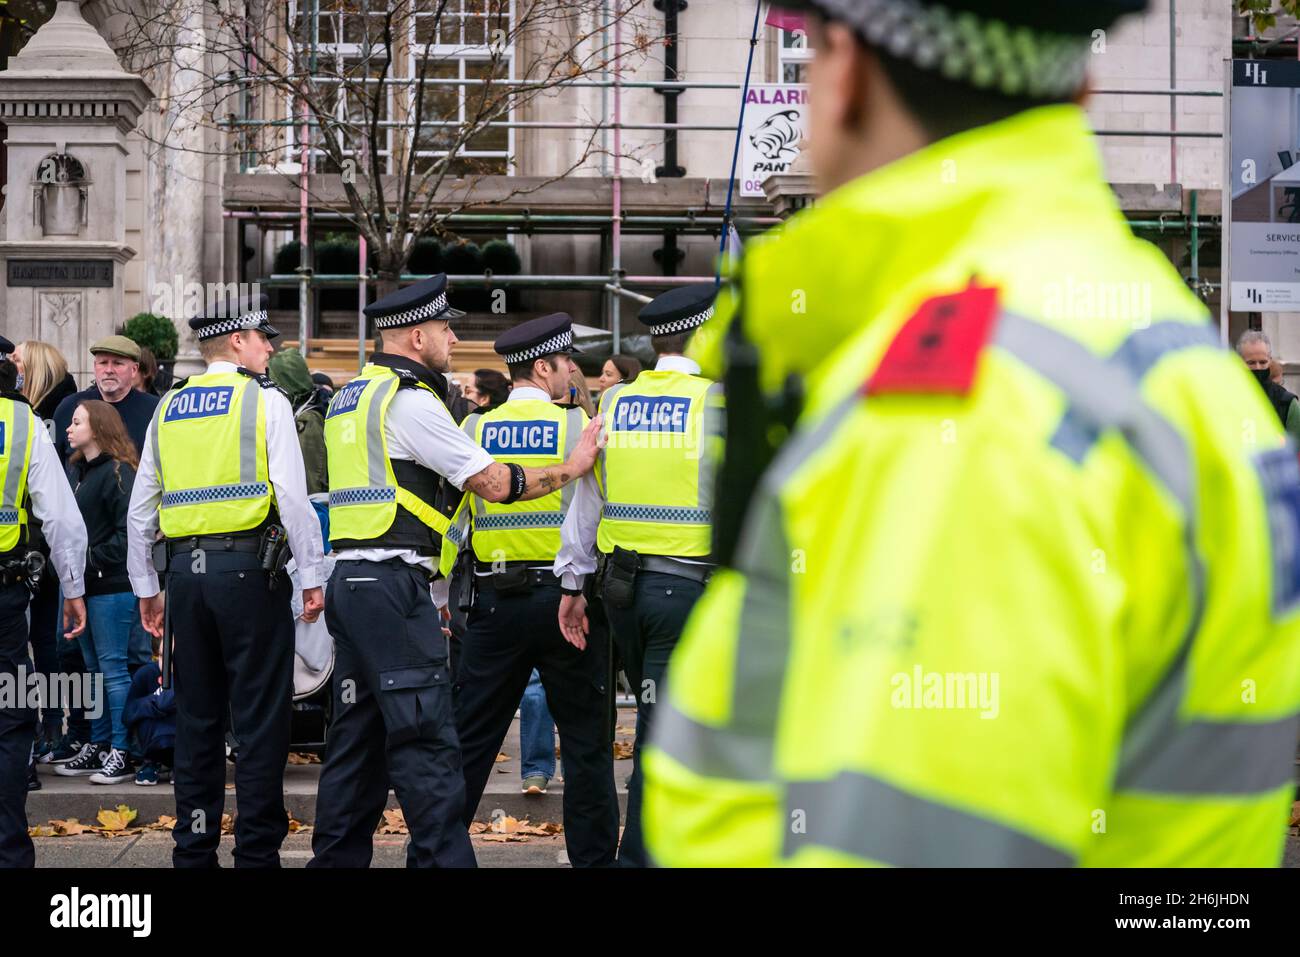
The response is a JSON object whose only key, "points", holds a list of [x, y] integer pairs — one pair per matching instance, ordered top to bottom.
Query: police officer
{"points": [[391, 443], [222, 475], [34, 484], [647, 511], [999, 598], [512, 625]]}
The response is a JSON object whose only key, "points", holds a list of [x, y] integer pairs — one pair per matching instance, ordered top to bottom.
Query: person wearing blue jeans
{"points": [[102, 472], [536, 738]]}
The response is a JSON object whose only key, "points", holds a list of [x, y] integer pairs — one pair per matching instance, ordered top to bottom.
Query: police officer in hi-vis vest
{"points": [[391, 443], [221, 474], [34, 485], [647, 510], [512, 625]]}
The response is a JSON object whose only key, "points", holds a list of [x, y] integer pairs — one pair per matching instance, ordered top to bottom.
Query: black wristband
{"points": [[518, 484], [570, 591]]}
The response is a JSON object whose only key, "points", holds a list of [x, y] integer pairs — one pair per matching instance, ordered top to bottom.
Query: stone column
{"points": [[69, 107]]}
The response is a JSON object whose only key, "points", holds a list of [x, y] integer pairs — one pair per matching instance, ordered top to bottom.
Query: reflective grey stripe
{"points": [[1144, 348], [1102, 396], [606, 405], [157, 421], [714, 424], [470, 428], [248, 432], [572, 433], [376, 455], [17, 456], [215, 493], [364, 495], [660, 514], [504, 521], [742, 750], [1205, 757], [871, 819]]}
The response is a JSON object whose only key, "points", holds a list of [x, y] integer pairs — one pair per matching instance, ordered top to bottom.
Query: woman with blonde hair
{"points": [[43, 377]]}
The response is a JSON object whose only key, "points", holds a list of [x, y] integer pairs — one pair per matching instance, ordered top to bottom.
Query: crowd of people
{"points": [[97, 432]]}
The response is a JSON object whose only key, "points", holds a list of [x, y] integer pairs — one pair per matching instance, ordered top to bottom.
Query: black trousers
{"points": [[646, 634], [506, 637], [232, 659], [393, 722], [17, 723]]}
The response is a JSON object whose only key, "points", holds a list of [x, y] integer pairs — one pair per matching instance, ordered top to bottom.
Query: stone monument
{"points": [[69, 107]]}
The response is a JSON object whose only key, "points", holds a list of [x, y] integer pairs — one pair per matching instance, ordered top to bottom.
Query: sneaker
{"points": [[43, 747], [64, 751], [88, 761], [118, 767], [147, 776], [33, 779], [535, 784]]}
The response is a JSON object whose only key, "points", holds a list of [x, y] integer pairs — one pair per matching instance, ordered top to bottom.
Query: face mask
{"points": [[1261, 376]]}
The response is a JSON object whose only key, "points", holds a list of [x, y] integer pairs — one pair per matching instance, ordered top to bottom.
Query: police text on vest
{"points": [[199, 402], [521, 438], [78, 910]]}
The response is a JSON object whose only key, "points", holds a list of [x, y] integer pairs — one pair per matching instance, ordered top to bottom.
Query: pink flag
{"points": [[784, 19]]}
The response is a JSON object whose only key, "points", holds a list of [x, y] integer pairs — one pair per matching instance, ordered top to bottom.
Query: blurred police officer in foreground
{"points": [[391, 443], [221, 474], [34, 485], [646, 511], [1020, 587], [512, 626]]}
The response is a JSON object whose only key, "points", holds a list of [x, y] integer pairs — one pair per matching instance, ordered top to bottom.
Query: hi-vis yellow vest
{"points": [[17, 432], [535, 434], [209, 441], [656, 471], [365, 491], [1046, 615]]}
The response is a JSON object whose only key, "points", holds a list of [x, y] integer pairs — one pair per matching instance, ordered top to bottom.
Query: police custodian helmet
{"points": [[1031, 48]]}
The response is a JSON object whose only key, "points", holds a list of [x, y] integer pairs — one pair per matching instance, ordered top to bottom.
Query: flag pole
{"points": [[735, 152]]}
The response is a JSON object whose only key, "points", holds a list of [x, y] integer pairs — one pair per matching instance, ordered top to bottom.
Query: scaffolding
{"points": [[618, 222]]}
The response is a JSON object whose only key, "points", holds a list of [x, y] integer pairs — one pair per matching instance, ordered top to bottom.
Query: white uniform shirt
{"points": [[418, 428], [288, 477], [56, 507], [577, 557]]}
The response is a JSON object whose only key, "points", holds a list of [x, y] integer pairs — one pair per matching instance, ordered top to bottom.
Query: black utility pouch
{"points": [[160, 556], [516, 580], [466, 581], [619, 588]]}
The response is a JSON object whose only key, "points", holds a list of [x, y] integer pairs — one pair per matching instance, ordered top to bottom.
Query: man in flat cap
{"points": [[117, 359], [392, 446], [221, 474], [647, 513], [993, 546], [512, 624]]}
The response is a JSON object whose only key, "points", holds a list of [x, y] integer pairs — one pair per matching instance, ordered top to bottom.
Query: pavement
{"points": [[64, 798]]}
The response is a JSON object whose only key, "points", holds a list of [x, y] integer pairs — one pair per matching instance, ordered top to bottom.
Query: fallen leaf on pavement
{"points": [[623, 729], [622, 750], [502, 756], [296, 757], [116, 820], [394, 822], [164, 823], [227, 824], [505, 825], [296, 826], [478, 827], [70, 828], [544, 829], [41, 830], [504, 838]]}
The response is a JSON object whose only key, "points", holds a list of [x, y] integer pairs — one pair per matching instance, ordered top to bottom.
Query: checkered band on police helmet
{"points": [[984, 52], [430, 310], [682, 325], [222, 327], [560, 342]]}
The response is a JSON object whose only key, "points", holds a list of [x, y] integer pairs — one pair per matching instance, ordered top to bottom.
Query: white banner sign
{"points": [[776, 117]]}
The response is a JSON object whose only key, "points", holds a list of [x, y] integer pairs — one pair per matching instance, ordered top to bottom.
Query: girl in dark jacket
{"points": [[102, 470]]}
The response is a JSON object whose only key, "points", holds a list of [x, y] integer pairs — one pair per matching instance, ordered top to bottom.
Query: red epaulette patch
{"points": [[938, 348]]}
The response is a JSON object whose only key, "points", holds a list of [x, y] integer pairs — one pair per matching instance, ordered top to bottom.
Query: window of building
{"points": [[794, 56]]}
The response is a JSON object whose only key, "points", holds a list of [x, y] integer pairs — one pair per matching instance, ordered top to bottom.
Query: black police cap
{"points": [[1026, 48], [414, 304], [679, 310], [247, 314], [536, 338], [6, 346]]}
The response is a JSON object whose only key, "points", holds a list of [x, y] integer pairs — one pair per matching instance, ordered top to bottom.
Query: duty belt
{"points": [[214, 543], [668, 566], [537, 576]]}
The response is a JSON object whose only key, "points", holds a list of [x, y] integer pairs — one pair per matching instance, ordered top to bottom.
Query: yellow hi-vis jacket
{"points": [[17, 432], [528, 432], [210, 448], [656, 471], [1021, 588]]}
